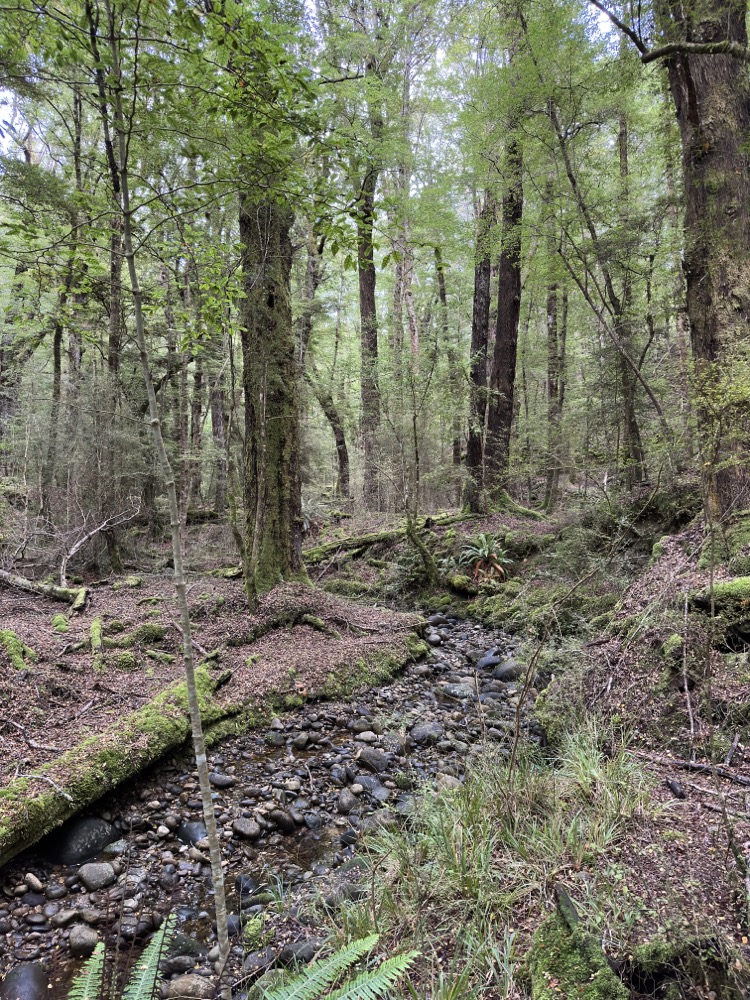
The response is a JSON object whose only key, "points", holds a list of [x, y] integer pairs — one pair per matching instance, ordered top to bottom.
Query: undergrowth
{"points": [[476, 865]]}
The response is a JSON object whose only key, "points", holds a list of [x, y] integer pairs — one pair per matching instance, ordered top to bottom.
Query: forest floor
{"points": [[616, 626]]}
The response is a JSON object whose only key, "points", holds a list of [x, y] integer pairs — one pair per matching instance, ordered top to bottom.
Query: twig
{"points": [[325, 569], [85, 708], [32, 743], [732, 749], [690, 765], [43, 777]]}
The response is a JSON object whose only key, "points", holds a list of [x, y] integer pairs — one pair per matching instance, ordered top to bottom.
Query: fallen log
{"points": [[363, 542], [75, 596]]}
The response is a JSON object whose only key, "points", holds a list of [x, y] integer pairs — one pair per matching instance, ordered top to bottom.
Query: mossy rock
{"points": [[127, 582], [462, 584], [347, 588], [541, 609], [114, 627], [147, 633], [673, 647], [123, 660], [561, 963]]}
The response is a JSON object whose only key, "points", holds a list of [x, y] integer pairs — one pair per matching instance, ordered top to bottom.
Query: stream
{"points": [[292, 802]]}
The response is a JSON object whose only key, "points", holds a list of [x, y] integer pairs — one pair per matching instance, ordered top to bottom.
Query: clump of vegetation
{"points": [[486, 558], [60, 623], [19, 654]]}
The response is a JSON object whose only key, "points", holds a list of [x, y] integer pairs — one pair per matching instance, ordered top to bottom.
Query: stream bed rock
{"points": [[292, 802]]}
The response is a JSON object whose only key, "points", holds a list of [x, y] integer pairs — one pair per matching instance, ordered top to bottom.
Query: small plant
{"points": [[485, 557], [99, 979], [316, 981]]}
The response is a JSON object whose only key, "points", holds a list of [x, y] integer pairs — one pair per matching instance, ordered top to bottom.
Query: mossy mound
{"points": [[347, 588], [540, 609], [59, 624], [16, 650], [562, 963]]}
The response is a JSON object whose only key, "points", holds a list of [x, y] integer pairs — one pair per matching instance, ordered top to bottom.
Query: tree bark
{"points": [[712, 101], [480, 331], [502, 383], [369, 393], [272, 541]]}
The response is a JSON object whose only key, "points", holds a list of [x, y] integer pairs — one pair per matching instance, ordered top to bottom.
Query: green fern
{"points": [[142, 981], [90, 983], [372, 984], [87, 985]]}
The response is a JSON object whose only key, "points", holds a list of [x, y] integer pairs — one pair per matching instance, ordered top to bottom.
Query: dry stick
{"points": [[325, 569], [685, 682], [32, 743], [199, 745], [732, 750], [690, 765], [43, 777]]}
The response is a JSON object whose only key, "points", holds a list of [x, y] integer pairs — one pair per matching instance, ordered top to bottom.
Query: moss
{"points": [[658, 549], [128, 581], [462, 584], [347, 588], [546, 608], [60, 623], [319, 625], [114, 627], [95, 632], [143, 634], [672, 648], [19, 654], [159, 656], [123, 660], [376, 666], [561, 963]]}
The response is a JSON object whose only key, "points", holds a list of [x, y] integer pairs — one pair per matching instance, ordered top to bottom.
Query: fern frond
{"points": [[312, 983], [141, 984], [374, 984], [87, 985]]}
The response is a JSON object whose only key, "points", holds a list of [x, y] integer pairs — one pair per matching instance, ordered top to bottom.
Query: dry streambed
{"points": [[293, 800]]}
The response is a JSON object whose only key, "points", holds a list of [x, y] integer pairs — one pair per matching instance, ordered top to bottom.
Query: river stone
{"points": [[437, 620], [487, 661], [508, 671], [459, 691], [427, 732], [374, 759], [221, 780], [346, 802], [283, 820], [313, 821], [246, 828], [191, 832], [78, 840], [97, 875], [33, 882], [83, 939], [299, 952], [27, 981], [191, 987]]}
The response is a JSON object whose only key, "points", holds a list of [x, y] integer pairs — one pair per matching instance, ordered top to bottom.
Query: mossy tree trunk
{"points": [[272, 536]]}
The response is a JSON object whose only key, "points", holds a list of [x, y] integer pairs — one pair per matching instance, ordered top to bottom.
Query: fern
{"points": [[314, 982], [141, 984], [372, 984], [87, 985]]}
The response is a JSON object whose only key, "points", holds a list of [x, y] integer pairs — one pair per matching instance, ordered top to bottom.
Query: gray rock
{"points": [[437, 619], [434, 639], [490, 660], [508, 671], [427, 732], [374, 759], [221, 780], [346, 802], [283, 820], [313, 821], [247, 829], [192, 832], [78, 840], [97, 875], [33, 882], [64, 917], [83, 939], [299, 952], [27, 981], [191, 987]]}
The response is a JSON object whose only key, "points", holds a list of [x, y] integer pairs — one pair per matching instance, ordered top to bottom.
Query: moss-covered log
{"points": [[363, 542], [75, 596]]}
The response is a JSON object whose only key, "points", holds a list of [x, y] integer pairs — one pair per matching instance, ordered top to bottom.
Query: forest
{"points": [[374, 499]]}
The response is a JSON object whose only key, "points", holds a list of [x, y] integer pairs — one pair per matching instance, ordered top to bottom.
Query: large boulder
{"points": [[79, 840], [27, 981]]}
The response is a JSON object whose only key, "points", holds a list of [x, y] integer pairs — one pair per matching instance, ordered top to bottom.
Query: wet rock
{"points": [[437, 619], [434, 639], [487, 661], [459, 691], [427, 732], [300, 742], [374, 759], [221, 780], [313, 821], [248, 829], [191, 832], [78, 840], [116, 848], [97, 875], [33, 882], [246, 885], [54, 892], [64, 918], [82, 940], [299, 952], [257, 961], [179, 965], [27, 981], [191, 987]]}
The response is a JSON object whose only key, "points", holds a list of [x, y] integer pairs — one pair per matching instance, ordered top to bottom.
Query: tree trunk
{"points": [[712, 101], [480, 331], [454, 370], [369, 393], [500, 409], [218, 430], [196, 434], [272, 541]]}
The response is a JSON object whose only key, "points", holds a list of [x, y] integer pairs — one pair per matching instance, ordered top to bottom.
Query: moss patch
{"points": [[60, 623], [19, 654], [561, 964]]}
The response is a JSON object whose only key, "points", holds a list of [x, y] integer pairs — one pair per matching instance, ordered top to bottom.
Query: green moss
{"points": [[657, 550], [128, 581], [462, 584], [346, 588], [542, 608], [60, 623], [114, 627], [95, 632], [143, 634], [672, 648], [19, 654], [159, 656], [124, 660], [562, 963]]}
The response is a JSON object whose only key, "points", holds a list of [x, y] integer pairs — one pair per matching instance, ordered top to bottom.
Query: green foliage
{"points": [[485, 557], [60, 623], [19, 654], [98, 978], [317, 980]]}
